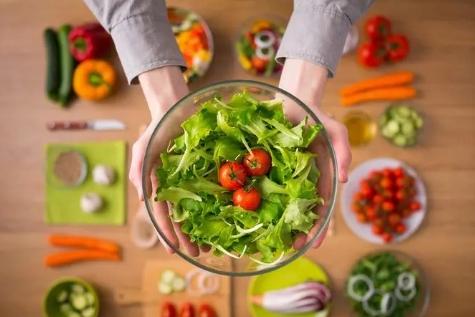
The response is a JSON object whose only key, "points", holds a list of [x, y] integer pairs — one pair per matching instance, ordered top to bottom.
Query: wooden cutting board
{"points": [[151, 300]]}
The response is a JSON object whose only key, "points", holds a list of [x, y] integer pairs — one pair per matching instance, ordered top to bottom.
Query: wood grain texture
{"points": [[442, 35]]}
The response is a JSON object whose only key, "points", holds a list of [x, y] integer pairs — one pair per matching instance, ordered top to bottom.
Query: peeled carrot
{"points": [[385, 81], [393, 93], [62, 240], [69, 257]]}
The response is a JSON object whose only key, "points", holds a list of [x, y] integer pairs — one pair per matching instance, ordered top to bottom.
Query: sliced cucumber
{"points": [[404, 111], [418, 122], [392, 128], [408, 129], [400, 140], [167, 276], [178, 284], [77, 288], [165, 288], [62, 296], [90, 299], [78, 301], [65, 308], [88, 312], [73, 314]]}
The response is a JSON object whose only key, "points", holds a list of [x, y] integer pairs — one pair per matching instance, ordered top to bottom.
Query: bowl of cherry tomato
{"points": [[257, 45], [384, 201]]}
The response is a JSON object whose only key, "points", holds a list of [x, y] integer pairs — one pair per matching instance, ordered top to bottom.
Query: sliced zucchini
{"points": [[400, 140], [62, 296], [79, 301], [88, 312]]}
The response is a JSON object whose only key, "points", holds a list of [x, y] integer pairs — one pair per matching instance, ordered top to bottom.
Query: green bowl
{"points": [[51, 307]]}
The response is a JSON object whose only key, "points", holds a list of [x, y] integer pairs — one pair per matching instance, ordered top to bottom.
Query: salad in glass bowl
{"points": [[247, 171]]}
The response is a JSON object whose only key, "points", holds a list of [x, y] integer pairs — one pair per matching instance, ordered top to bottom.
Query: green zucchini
{"points": [[53, 69], [65, 91]]}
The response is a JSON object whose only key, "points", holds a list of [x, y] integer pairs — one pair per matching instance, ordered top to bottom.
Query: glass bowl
{"points": [[169, 127], [423, 299]]}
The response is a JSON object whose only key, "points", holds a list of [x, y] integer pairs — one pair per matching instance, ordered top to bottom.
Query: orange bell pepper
{"points": [[94, 79]]}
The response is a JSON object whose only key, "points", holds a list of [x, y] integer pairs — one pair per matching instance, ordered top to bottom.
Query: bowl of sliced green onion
{"points": [[388, 283]]}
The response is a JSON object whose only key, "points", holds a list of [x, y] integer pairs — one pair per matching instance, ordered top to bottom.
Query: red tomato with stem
{"points": [[378, 27], [397, 47], [371, 54], [258, 162], [232, 175], [247, 198], [168, 310], [187, 310], [206, 310]]}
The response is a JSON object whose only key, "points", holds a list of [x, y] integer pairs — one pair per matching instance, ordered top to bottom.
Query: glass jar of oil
{"points": [[361, 127]]}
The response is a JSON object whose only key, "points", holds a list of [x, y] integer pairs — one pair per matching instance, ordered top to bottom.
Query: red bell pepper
{"points": [[89, 41]]}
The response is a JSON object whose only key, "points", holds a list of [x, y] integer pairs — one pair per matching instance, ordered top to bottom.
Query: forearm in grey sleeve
{"points": [[317, 30], [142, 35]]}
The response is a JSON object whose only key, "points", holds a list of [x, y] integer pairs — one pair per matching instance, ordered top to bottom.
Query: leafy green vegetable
{"points": [[222, 131]]}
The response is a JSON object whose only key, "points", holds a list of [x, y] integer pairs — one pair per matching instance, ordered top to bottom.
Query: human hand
{"points": [[307, 81], [162, 88]]}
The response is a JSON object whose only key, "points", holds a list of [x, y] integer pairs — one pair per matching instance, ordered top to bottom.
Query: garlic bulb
{"points": [[103, 175], [91, 202]]}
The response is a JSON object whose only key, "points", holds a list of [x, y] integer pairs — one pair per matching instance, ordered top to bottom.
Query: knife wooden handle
{"points": [[66, 125]]}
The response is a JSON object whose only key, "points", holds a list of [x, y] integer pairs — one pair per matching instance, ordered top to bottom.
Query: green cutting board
{"points": [[63, 203], [296, 272]]}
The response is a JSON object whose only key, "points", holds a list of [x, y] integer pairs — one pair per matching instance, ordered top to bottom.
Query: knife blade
{"points": [[99, 125]]}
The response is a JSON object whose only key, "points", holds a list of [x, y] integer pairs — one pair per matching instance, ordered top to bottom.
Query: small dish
{"points": [[349, 190]]}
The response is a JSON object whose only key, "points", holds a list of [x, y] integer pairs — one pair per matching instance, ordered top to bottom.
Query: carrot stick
{"points": [[388, 80], [394, 93], [62, 240], [69, 257]]}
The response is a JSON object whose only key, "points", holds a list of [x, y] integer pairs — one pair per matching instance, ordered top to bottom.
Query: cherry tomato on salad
{"points": [[378, 27], [397, 47], [371, 54], [258, 162], [232, 175], [247, 198], [168, 310], [187, 310], [206, 310]]}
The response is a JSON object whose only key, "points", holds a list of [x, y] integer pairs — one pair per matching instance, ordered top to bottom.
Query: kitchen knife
{"points": [[102, 124]]}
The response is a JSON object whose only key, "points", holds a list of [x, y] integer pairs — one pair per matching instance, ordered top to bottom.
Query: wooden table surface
{"points": [[442, 36]]}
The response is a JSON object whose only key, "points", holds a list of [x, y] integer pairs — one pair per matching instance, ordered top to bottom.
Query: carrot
{"points": [[388, 80], [393, 93], [62, 240], [69, 257]]}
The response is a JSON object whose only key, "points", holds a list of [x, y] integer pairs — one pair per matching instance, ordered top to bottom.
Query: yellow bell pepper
{"points": [[260, 25], [94, 79]]}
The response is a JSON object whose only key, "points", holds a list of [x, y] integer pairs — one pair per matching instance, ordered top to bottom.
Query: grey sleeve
{"points": [[317, 30], [142, 35]]}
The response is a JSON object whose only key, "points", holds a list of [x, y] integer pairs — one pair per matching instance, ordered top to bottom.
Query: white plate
{"points": [[363, 230]]}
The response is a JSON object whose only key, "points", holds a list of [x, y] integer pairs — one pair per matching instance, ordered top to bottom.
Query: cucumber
{"points": [[53, 69], [65, 90], [400, 124], [77, 288], [62, 296], [90, 299], [79, 302], [65, 308], [88, 312], [73, 314]]}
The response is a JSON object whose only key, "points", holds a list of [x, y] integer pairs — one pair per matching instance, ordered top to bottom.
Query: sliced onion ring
{"points": [[260, 42], [265, 53], [406, 281], [208, 283], [351, 287], [405, 298], [388, 304]]}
